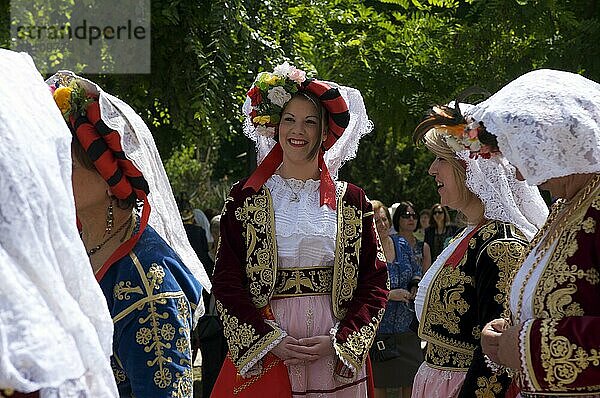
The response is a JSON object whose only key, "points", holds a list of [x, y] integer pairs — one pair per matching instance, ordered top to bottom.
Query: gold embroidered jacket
{"points": [[246, 272], [460, 300], [562, 343]]}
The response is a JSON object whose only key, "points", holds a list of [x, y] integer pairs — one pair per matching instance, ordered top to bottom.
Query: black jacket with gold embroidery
{"points": [[246, 272], [461, 300]]}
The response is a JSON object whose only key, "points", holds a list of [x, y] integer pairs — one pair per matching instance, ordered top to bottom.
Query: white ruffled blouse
{"points": [[305, 231]]}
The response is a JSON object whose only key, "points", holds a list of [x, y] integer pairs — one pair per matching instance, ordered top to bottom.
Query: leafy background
{"points": [[404, 55]]}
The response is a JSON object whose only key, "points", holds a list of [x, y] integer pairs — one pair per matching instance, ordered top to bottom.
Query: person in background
{"points": [[405, 222], [424, 222], [439, 230], [215, 231], [135, 240], [300, 279], [394, 332]]}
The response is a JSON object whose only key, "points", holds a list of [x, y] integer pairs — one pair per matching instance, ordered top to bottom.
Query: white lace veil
{"points": [[547, 123], [139, 147], [344, 149], [504, 197], [55, 328]]}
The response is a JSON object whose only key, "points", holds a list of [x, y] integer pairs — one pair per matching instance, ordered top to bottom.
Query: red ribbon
{"points": [[272, 161], [460, 250]]}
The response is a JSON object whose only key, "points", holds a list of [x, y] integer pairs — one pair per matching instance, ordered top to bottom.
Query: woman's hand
{"points": [[400, 295], [500, 343], [310, 349], [286, 350]]}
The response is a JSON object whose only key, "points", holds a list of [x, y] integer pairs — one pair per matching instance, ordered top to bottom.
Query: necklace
{"points": [[295, 194], [557, 220], [99, 246]]}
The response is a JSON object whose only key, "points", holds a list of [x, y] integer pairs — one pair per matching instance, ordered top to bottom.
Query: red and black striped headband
{"points": [[332, 100], [103, 146]]}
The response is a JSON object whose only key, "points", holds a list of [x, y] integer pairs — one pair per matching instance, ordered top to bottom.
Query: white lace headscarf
{"points": [[547, 123], [139, 147], [344, 149], [504, 197], [55, 328]]}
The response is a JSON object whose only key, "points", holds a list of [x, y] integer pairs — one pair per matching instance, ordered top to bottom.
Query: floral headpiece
{"points": [[269, 94], [70, 96], [460, 134]]}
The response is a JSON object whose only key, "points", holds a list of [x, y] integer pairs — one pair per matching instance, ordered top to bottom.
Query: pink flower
{"points": [[297, 75]]}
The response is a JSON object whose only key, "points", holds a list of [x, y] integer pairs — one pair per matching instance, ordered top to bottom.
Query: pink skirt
{"points": [[310, 316], [437, 383]]}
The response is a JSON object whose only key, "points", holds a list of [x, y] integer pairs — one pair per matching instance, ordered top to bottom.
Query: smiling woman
{"points": [[467, 281], [284, 294]]}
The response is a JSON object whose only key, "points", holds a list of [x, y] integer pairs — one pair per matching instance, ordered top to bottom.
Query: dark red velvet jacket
{"points": [[246, 270], [562, 343]]}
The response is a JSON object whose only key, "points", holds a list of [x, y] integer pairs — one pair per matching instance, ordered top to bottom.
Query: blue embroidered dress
{"points": [[402, 271], [151, 296]]}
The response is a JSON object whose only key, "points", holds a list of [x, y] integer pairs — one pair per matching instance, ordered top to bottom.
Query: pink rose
{"points": [[297, 75]]}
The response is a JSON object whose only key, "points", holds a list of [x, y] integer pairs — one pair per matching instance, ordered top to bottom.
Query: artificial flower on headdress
{"points": [[269, 94], [71, 98], [460, 134]]}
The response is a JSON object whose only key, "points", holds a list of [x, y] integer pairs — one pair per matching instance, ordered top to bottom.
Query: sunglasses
{"points": [[438, 212], [408, 215]]}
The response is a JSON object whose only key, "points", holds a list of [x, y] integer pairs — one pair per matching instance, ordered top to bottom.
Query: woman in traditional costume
{"points": [[547, 124], [150, 276], [300, 278], [465, 287], [55, 330]]}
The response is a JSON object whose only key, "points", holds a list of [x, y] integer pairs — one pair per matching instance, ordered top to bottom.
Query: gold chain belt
{"points": [[303, 281]]}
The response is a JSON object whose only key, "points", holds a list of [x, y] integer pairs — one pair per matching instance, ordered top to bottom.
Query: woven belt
{"points": [[303, 281]]}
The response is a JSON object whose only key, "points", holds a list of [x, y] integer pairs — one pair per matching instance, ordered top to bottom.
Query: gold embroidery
{"points": [[596, 202], [258, 224], [589, 225], [488, 230], [348, 242], [507, 254], [155, 276], [300, 281], [123, 289], [549, 300], [445, 304], [476, 332], [241, 336], [355, 348], [441, 357], [562, 360], [118, 371], [162, 377], [183, 385], [488, 387]]}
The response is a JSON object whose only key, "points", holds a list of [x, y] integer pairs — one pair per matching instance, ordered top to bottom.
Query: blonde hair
{"points": [[435, 141], [379, 205]]}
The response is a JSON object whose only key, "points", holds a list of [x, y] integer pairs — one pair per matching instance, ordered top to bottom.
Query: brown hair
{"points": [[446, 215]]}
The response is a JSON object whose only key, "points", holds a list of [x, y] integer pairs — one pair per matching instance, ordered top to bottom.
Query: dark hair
{"points": [[321, 114], [79, 154], [401, 209], [446, 215]]}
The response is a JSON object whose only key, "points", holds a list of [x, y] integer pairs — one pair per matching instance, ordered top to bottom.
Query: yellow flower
{"points": [[272, 80], [62, 97], [262, 119]]}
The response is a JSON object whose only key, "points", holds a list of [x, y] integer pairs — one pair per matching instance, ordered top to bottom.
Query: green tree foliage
{"points": [[404, 56]]}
